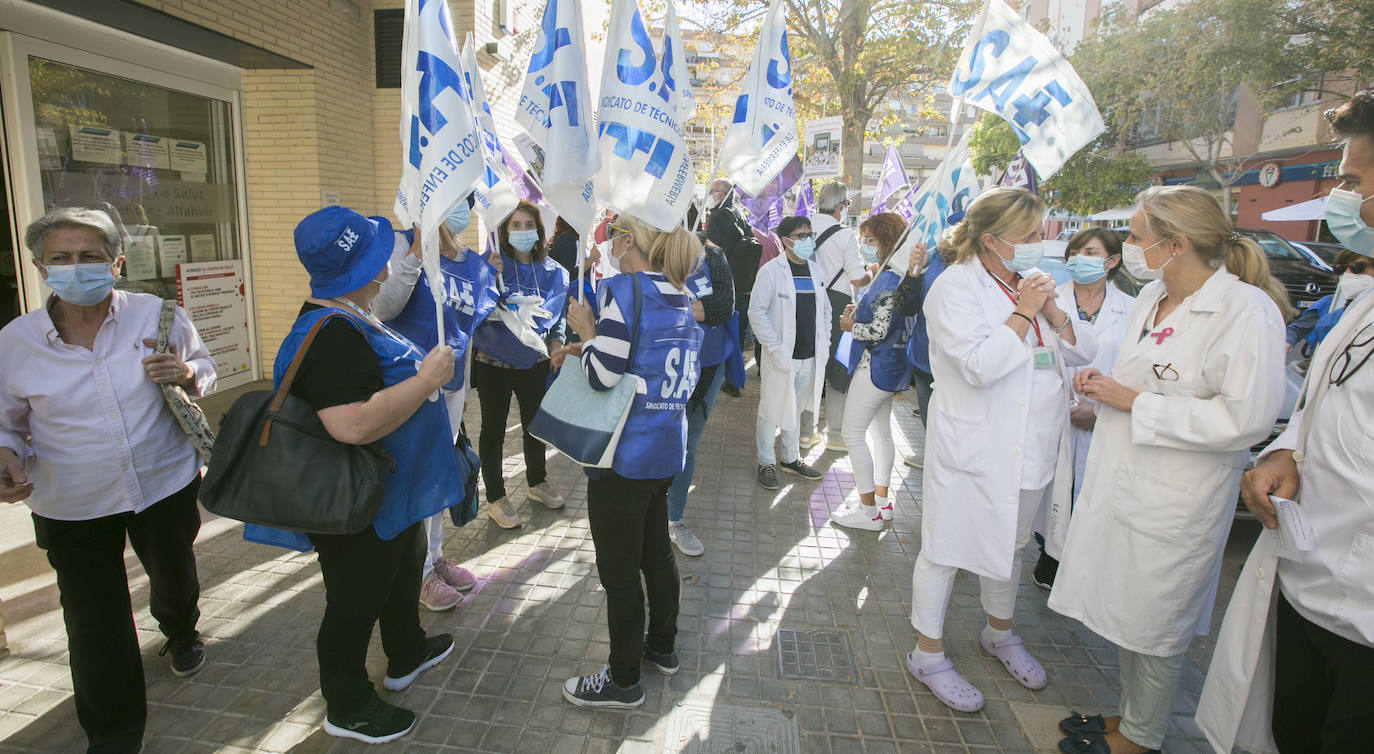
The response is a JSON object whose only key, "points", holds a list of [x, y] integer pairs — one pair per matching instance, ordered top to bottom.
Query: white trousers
{"points": [[454, 401], [765, 432], [868, 432], [932, 584], [1148, 687]]}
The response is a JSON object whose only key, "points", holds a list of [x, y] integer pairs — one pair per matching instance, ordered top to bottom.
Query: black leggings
{"points": [[494, 388], [1323, 687]]}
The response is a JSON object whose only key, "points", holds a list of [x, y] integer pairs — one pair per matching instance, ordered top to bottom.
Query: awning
{"points": [[1312, 209], [1119, 213]]}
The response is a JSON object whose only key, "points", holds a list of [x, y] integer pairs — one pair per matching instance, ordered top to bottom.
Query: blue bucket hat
{"points": [[342, 250]]}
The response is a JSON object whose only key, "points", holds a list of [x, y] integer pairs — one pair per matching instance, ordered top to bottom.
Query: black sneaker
{"points": [[801, 470], [768, 477], [1045, 569], [436, 649], [188, 655], [666, 663], [600, 691], [376, 722]]}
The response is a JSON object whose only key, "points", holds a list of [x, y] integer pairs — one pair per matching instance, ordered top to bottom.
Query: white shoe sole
{"points": [[913, 465], [539, 498], [504, 525], [868, 526], [442, 608], [400, 684], [573, 699], [335, 730]]}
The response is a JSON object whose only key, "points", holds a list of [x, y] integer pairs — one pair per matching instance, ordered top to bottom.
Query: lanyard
{"points": [[1007, 292]]}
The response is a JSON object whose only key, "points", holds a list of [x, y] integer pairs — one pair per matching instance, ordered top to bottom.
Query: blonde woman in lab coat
{"points": [[1000, 347], [1199, 380]]}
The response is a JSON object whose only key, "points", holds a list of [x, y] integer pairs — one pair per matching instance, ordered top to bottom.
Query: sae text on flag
{"points": [[1010, 69], [556, 111], [762, 137], [441, 156], [645, 168], [892, 178], [949, 192], [494, 195]]}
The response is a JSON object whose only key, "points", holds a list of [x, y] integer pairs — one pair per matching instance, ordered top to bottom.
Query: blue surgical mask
{"points": [[1343, 218], [457, 220], [524, 240], [804, 248], [869, 251], [1024, 255], [1085, 269], [81, 284]]}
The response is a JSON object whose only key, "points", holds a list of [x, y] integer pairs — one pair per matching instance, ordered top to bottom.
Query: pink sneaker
{"points": [[455, 575], [438, 596], [1012, 652]]}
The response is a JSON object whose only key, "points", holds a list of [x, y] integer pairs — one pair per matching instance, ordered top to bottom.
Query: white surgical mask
{"points": [[713, 201], [1343, 218], [457, 220], [524, 240], [869, 251], [1024, 255], [1134, 258], [80, 284], [1350, 286]]}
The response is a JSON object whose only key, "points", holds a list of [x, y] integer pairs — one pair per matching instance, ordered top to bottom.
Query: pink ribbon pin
{"points": [[1161, 335]]}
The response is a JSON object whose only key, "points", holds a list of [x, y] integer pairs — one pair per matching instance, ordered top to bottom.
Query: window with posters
{"points": [[160, 153]]}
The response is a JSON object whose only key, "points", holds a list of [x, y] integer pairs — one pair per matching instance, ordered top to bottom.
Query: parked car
{"points": [[1327, 251], [1303, 274]]}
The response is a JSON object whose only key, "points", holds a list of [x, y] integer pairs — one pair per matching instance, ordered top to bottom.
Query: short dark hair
{"points": [[1355, 117], [789, 225], [1111, 241]]}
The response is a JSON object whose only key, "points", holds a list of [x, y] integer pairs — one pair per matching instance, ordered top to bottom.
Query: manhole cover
{"points": [[815, 655], [703, 726]]}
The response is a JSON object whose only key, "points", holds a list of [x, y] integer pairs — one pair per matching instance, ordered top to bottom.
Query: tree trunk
{"points": [[853, 164]]}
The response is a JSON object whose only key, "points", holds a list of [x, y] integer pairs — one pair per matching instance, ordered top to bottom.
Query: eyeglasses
{"points": [[614, 230], [801, 236], [1356, 267], [1352, 357], [1165, 372]]}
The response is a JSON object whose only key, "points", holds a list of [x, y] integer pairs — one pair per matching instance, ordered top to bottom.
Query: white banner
{"points": [[676, 59], [1010, 69], [556, 111], [763, 135], [824, 147], [645, 168], [949, 192], [494, 195]]}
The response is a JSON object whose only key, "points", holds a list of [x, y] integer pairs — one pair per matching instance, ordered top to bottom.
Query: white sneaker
{"points": [[810, 441], [836, 445], [915, 461], [546, 495], [886, 511], [503, 514], [858, 516], [686, 541]]}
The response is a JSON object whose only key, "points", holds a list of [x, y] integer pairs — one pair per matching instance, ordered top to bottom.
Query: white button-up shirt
{"points": [[840, 251], [94, 430]]}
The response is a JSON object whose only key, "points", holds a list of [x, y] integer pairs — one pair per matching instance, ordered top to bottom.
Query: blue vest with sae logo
{"points": [[544, 278], [470, 287], [667, 340], [888, 364], [425, 481]]}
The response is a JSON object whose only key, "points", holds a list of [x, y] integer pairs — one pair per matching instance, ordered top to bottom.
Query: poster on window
{"points": [[95, 144], [822, 148], [145, 151], [49, 156], [188, 157], [203, 248], [171, 251], [140, 253], [212, 295]]}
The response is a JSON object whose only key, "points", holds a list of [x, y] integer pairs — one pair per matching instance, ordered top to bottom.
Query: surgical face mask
{"points": [[713, 201], [1343, 218], [457, 220], [524, 240], [804, 248], [869, 251], [1024, 255], [612, 258], [1134, 258], [1085, 269], [81, 284], [1351, 285]]}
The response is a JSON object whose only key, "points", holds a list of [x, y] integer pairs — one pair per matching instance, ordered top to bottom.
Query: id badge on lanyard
{"points": [[1044, 357]]}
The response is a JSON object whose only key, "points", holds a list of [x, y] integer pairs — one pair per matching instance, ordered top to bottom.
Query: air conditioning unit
{"points": [[504, 13]]}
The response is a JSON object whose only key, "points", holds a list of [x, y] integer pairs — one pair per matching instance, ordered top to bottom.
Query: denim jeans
{"points": [[696, 424]]}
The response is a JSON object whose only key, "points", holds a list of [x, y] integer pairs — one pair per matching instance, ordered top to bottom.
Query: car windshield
{"points": [[1275, 246]]}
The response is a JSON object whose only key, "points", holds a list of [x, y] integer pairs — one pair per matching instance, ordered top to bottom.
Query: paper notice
{"points": [[95, 144], [144, 151], [188, 157], [49, 158], [203, 248], [171, 251], [140, 256], [1293, 537]]}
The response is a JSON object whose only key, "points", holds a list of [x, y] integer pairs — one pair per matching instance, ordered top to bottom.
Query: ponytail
{"points": [[1003, 211], [675, 253], [1247, 261]]}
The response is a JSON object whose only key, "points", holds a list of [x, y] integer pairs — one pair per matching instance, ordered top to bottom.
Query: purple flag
{"points": [[1020, 174], [892, 178], [524, 187], [806, 200], [761, 204], [907, 206]]}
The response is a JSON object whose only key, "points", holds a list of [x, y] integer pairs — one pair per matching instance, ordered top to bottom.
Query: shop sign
{"points": [[1269, 174]]}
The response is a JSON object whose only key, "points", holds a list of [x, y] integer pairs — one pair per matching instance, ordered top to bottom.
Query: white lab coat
{"points": [[773, 317], [1110, 329], [978, 420], [1144, 550], [1238, 697]]}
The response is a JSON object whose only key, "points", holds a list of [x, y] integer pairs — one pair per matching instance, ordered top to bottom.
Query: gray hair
{"points": [[722, 185], [831, 196], [73, 217]]}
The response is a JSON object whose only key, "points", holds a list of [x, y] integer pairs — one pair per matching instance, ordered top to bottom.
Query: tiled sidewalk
{"points": [[538, 616]]}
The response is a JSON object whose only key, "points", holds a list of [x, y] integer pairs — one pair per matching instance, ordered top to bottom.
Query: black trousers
{"points": [[494, 388], [629, 522], [88, 556], [368, 581], [1323, 688]]}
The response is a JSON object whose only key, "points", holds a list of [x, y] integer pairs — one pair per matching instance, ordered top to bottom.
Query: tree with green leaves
{"points": [[849, 56]]}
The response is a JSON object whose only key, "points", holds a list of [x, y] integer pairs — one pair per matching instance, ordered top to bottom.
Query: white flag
{"points": [[675, 59], [1011, 69], [556, 111], [762, 137], [441, 149], [645, 168], [949, 192], [494, 195]]}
